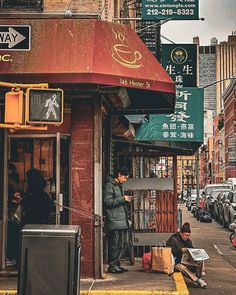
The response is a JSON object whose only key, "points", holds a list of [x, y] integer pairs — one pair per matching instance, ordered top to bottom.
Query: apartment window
{"points": [[22, 3], [207, 49], [213, 49]]}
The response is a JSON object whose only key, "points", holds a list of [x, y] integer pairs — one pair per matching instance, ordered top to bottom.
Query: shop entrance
{"points": [[50, 154]]}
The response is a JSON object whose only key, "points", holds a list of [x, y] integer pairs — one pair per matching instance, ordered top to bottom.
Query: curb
{"points": [[181, 289]]}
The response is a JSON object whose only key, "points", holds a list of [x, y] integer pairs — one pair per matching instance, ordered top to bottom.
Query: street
{"points": [[221, 267]]}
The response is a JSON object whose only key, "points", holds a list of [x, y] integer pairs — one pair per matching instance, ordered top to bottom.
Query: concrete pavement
{"points": [[221, 267], [220, 270], [134, 282]]}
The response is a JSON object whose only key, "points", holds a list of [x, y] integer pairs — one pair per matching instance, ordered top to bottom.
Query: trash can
{"points": [[49, 260]]}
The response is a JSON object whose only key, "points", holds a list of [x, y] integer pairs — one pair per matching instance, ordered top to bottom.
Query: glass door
{"points": [[50, 154]]}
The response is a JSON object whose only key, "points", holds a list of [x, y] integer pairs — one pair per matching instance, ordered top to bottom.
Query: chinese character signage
{"points": [[170, 9], [180, 62], [44, 106], [185, 124]]}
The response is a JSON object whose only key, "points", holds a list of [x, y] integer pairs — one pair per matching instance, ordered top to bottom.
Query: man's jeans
{"points": [[117, 244], [191, 272]]}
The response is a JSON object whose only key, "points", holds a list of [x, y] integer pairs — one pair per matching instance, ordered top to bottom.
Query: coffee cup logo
{"points": [[124, 55]]}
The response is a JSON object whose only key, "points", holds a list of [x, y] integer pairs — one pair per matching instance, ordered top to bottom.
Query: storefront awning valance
{"points": [[86, 51]]}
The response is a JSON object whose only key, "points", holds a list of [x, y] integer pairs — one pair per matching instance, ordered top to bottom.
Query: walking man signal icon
{"points": [[51, 103], [44, 106]]}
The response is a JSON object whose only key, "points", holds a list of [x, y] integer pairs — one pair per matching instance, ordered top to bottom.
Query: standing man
{"points": [[116, 219], [179, 243]]}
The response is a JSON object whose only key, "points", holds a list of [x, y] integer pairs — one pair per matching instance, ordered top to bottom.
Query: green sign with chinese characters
{"points": [[170, 9], [180, 62], [185, 125]]}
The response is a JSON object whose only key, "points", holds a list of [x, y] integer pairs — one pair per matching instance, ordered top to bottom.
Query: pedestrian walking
{"points": [[116, 219], [179, 243]]}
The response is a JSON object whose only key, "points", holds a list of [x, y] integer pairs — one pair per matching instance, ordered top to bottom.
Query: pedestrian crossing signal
{"points": [[44, 106], [14, 107]]}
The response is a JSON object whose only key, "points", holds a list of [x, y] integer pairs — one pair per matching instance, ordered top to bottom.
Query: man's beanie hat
{"points": [[185, 228]]}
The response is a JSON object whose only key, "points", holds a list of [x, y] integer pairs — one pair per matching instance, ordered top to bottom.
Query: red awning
{"points": [[90, 51]]}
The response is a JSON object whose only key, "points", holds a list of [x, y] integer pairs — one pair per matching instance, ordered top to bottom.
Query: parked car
{"points": [[232, 183], [209, 187], [192, 199], [212, 199], [219, 206], [229, 209]]}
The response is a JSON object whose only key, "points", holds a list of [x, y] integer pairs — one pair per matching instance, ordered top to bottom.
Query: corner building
{"points": [[69, 47]]}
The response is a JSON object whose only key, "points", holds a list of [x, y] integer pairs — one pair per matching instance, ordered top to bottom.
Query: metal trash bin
{"points": [[49, 260]]}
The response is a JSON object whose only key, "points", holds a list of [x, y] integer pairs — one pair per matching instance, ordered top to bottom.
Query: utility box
{"points": [[49, 260]]}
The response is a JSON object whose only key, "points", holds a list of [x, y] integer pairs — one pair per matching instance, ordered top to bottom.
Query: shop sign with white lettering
{"points": [[170, 9], [185, 124]]}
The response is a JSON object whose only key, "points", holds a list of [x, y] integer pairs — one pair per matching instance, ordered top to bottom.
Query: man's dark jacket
{"points": [[115, 205], [177, 243]]}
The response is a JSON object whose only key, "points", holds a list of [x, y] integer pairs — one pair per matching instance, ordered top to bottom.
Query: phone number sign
{"points": [[170, 9]]}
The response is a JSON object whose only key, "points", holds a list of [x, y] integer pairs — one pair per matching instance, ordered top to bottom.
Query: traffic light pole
{"points": [[23, 86]]}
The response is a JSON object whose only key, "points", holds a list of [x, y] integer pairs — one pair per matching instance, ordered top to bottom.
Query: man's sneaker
{"points": [[115, 269], [201, 283]]}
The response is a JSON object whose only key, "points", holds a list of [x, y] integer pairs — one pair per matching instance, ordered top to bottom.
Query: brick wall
{"points": [[75, 6], [230, 119], [217, 146], [82, 179]]}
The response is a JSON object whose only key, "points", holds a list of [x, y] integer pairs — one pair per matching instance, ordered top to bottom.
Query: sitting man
{"points": [[179, 243]]}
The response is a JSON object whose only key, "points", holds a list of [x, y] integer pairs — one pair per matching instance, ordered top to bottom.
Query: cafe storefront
{"points": [[105, 71]]}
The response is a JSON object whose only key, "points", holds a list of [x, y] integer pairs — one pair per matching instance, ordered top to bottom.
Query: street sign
{"points": [[170, 9], [15, 37], [180, 62], [44, 106], [184, 125]]}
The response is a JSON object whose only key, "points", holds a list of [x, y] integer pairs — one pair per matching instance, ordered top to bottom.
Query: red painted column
{"points": [[82, 152]]}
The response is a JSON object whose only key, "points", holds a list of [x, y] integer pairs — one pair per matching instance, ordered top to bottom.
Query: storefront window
{"points": [[22, 3]]}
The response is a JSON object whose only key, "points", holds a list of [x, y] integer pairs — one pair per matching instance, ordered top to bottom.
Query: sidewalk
{"points": [[136, 281]]}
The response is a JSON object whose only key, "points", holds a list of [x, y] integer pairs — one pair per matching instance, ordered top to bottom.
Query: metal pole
{"points": [[58, 166], [197, 176], [5, 204], [98, 230]]}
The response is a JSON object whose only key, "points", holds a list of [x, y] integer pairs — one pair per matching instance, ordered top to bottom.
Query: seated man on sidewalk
{"points": [[179, 242]]}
